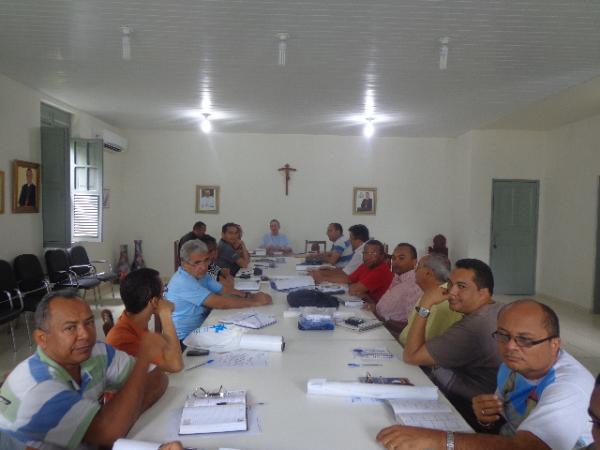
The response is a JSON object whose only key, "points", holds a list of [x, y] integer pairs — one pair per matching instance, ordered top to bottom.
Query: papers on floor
{"points": [[292, 282], [252, 285], [250, 319], [240, 360], [321, 386], [214, 414], [435, 414]]}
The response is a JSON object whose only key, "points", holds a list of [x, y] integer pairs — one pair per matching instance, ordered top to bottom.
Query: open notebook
{"points": [[214, 414]]}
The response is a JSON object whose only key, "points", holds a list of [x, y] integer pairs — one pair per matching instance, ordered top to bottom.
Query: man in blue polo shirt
{"points": [[194, 292]]}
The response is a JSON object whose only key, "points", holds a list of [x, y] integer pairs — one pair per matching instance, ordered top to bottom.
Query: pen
{"points": [[199, 365], [364, 365]]}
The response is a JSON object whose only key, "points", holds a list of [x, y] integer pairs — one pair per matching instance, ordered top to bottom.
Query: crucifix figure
{"points": [[287, 169]]}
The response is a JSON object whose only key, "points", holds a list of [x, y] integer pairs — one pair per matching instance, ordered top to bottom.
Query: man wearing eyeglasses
{"points": [[195, 293], [541, 396]]}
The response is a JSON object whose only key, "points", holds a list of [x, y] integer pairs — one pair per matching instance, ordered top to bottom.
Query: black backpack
{"points": [[309, 297]]}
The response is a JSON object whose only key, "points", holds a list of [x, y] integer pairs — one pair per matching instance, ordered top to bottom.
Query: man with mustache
{"points": [[541, 396]]}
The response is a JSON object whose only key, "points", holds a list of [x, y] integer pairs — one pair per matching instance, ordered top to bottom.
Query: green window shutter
{"points": [[86, 189]]}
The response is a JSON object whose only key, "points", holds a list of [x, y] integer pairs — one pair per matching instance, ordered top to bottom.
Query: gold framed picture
{"points": [[26, 187], [1, 192], [207, 199], [364, 201]]}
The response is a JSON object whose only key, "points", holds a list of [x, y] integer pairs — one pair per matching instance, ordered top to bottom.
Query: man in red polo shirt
{"points": [[373, 276]]}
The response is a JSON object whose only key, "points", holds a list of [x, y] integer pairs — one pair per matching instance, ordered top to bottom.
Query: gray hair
{"points": [[193, 246], [439, 264], [41, 317]]}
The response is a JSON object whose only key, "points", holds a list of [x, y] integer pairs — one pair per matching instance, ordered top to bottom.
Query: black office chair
{"points": [[315, 246], [82, 266], [63, 277], [31, 281], [11, 300]]}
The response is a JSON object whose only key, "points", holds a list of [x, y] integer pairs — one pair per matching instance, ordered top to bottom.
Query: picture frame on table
{"points": [[26, 187], [207, 199], [364, 201]]}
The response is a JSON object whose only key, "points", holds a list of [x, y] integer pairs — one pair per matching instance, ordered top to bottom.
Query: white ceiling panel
{"points": [[503, 56]]}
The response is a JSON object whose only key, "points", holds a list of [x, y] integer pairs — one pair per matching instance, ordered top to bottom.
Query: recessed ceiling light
{"points": [[206, 125], [369, 129]]}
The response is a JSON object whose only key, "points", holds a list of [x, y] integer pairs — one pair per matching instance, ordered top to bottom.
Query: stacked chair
{"points": [[82, 266], [63, 276], [11, 300]]}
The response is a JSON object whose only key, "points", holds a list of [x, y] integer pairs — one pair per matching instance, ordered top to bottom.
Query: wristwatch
{"points": [[423, 312], [449, 440]]}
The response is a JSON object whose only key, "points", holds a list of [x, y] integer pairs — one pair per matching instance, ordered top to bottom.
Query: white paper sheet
{"points": [[240, 359], [449, 421]]}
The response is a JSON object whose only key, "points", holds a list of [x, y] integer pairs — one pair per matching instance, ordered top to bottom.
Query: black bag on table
{"points": [[309, 297]]}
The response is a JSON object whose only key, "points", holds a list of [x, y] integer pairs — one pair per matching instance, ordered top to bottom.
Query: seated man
{"points": [[197, 232], [359, 235], [275, 241], [231, 251], [341, 251], [217, 273], [432, 273], [373, 277], [194, 292], [142, 294], [399, 300], [464, 360], [542, 392], [51, 398], [594, 412]]}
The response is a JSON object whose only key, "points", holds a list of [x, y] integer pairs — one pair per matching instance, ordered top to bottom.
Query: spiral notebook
{"points": [[214, 414]]}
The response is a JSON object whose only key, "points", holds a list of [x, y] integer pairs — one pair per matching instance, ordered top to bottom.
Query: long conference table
{"points": [[282, 415]]}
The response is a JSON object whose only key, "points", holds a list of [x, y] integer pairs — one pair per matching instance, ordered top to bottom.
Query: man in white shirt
{"points": [[359, 236], [542, 392]]}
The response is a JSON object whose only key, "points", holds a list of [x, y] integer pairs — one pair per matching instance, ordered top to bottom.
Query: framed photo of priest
{"points": [[26, 187], [1, 192], [207, 199], [364, 201]]}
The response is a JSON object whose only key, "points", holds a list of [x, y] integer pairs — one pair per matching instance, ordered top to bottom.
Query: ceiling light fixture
{"points": [[126, 42], [282, 48], [444, 52], [206, 125], [369, 129]]}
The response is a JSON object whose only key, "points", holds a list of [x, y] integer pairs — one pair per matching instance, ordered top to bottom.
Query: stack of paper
{"points": [[289, 283], [252, 285], [350, 301], [214, 414], [435, 414]]}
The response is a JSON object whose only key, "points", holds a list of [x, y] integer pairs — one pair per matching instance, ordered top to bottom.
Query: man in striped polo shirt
{"points": [[54, 397]]}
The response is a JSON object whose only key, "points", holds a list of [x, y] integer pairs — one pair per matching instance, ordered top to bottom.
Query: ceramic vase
{"points": [[138, 258], [123, 264]]}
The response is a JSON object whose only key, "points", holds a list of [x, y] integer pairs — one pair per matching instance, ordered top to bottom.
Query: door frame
{"points": [[537, 221], [596, 298]]}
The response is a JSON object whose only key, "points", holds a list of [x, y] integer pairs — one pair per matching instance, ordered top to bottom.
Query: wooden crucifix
{"points": [[287, 169]]}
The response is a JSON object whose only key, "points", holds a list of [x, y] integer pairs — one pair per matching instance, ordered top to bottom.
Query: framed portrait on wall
{"points": [[26, 187], [1, 192], [207, 199], [364, 201]]}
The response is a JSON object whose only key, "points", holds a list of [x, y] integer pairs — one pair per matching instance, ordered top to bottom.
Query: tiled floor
{"points": [[580, 333]]}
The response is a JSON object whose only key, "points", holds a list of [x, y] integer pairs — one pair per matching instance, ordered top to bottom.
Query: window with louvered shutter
{"points": [[86, 190]]}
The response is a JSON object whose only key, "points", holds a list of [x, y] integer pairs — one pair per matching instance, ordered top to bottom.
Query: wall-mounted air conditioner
{"points": [[113, 142]]}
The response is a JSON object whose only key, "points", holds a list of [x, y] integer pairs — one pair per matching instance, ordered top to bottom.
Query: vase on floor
{"points": [[138, 258], [123, 264]]}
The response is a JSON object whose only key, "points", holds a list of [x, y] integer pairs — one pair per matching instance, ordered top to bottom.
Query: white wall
{"points": [[20, 131], [163, 168], [568, 229]]}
